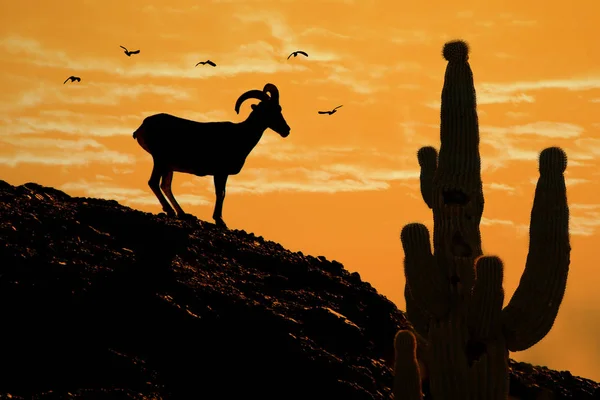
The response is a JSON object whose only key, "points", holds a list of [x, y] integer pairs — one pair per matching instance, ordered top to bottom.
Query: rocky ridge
{"points": [[99, 301]]}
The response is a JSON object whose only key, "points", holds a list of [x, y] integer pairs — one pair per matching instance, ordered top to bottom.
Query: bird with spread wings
{"points": [[129, 53], [295, 54], [207, 62], [72, 79], [330, 112]]}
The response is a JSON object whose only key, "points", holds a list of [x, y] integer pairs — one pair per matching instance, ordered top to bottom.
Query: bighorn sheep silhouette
{"points": [[207, 148]]}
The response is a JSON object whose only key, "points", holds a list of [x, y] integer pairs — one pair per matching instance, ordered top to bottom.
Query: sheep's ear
{"points": [[253, 106]]}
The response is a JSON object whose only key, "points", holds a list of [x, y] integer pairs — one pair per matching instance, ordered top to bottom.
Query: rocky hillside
{"points": [[99, 301]]}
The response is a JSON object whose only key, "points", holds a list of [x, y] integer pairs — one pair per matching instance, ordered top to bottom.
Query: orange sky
{"points": [[342, 185]]}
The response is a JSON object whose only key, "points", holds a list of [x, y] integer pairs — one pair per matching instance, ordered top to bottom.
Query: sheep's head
{"points": [[268, 110]]}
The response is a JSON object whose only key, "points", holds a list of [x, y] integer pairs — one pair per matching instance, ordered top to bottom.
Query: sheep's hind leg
{"points": [[220, 183], [154, 184], [165, 185]]}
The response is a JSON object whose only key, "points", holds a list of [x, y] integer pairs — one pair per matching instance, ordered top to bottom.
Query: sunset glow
{"points": [[340, 185]]}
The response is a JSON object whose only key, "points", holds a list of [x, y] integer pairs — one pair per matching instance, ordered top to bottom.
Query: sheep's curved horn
{"points": [[273, 92], [250, 94]]}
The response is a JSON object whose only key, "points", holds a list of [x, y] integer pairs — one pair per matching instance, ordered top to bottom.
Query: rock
{"points": [[99, 301]]}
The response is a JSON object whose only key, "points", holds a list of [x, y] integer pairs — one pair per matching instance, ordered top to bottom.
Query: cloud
{"points": [[167, 9], [465, 14], [521, 22], [319, 31], [287, 37], [405, 37], [262, 60], [573, 84], [92, 93], [491, 98], [516, 114], [32, 125], [540, 128], [42, 143], [591, 147], [274, 148], [509, 148], [59, 152], [64, 158], [334, 178], [328, 179], [568, 181], [499, 186], [102, 190], [584, 219], [489, 222], [585, 225]]}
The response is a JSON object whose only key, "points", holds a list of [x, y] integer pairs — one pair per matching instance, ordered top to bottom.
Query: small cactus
{"points": [[454, 295]]}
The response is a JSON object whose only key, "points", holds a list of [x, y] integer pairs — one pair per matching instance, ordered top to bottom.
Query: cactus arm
{"points": [[427, 157], [427, 287], [485, 305], [533, 308], [418, 319], [485, 349], [407, 378]]}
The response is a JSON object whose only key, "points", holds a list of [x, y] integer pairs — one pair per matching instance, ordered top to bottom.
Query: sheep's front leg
{"points": [[220, 182], [154, 183]]}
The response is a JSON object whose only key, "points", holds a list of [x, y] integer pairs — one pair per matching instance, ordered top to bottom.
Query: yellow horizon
{"points": [[343, 185]]}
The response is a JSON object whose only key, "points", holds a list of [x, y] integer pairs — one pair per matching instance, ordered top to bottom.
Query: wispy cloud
{"points": [[168, 9], [465, 14], [523, 22], [319, 31], [406, 37], [289, 39], [254, 58], [573, 84], [93, 93], [491, 98], [516, 114], [32, 125], [541, 128], [275, 148], [58, 152], [65, 157], [332, 178], [568, 181], [500, 187], [101, 189], [488, 222]]}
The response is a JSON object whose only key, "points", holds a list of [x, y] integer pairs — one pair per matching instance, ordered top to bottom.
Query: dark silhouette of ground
{"points": [[217, 149], [99, 301]]}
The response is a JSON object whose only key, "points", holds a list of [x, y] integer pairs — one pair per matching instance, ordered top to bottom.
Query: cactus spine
{"points": [[454, 294]]}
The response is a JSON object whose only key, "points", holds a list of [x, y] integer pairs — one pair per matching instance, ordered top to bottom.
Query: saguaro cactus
{"points": [[454, 295]]}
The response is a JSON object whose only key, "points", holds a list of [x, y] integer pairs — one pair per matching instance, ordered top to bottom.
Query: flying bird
{"points": [[129, 53], [295, 54], [207, 62], [72, 79], [329, 112]]}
